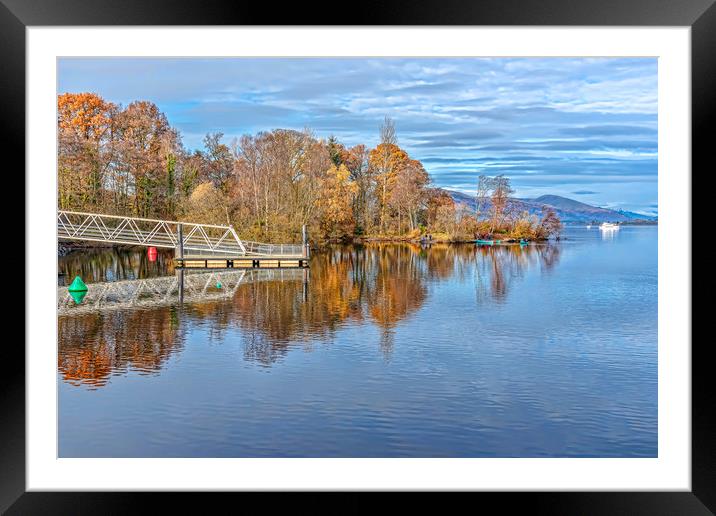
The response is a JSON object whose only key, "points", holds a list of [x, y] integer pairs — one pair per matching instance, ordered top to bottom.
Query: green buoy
{"points": [[218, 284], [77, 285], [78, 290], [78, 295]]}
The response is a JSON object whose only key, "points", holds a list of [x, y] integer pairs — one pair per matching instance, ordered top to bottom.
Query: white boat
{"points": [[589, 226], [608, 226]]}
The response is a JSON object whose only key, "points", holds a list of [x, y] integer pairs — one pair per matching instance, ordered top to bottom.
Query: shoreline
{"points": [[442, 240], [66, 248]]}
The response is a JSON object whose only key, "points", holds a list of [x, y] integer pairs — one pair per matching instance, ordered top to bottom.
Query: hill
{"points": [[568, 210]]}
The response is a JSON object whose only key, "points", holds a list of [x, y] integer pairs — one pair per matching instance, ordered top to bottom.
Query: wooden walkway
{"points": [[260, 262]]}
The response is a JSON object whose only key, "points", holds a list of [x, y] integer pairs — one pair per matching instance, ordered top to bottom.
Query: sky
{"points": [[583, 128]]}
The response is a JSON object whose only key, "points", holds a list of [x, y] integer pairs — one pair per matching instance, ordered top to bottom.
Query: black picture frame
{"points": [[700, 15]]}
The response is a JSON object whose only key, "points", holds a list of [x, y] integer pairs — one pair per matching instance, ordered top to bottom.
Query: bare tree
{"points": [[387, 132], [484, 185], [501, 191], [549, 224]]}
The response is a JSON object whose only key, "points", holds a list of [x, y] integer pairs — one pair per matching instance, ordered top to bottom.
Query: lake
{"points": [[383, 350]]}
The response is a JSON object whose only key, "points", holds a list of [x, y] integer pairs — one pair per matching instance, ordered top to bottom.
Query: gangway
{"points": [[197, 245]]}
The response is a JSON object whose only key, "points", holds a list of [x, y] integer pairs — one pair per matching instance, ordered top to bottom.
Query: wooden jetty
{"points": [[259, 262]]}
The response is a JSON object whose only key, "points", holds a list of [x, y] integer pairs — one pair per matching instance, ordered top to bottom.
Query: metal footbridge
{"points": [[196, 245]]}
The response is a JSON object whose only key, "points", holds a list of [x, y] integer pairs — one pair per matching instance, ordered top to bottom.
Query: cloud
{"points": [[429, 88], [554, 125], [610, 130]]}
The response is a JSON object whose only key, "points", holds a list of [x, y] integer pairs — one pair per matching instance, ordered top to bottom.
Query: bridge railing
{"points": [[197, 239], [272, 249]]}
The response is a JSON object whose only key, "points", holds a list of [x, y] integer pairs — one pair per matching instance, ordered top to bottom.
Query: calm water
{"points": [[384, 351]]}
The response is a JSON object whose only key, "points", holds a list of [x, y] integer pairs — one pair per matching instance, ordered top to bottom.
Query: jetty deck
{"points": [[232, 262]]}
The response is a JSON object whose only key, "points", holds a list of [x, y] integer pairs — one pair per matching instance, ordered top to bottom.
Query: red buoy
{"points": [[152, 254]]}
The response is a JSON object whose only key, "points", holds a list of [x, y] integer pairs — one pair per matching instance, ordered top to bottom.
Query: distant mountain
{"points": [[565, 204], [568, 210], [637, 216]]}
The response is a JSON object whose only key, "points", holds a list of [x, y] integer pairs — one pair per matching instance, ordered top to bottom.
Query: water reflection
{"points": [[609, 233], [94, 265], [498, 268], [183, 286], [136, 325], [95, 346]]}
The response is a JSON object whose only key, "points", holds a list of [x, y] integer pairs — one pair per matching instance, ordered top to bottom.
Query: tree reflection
{"points": [[95, 265], [498, 267], [378, 284], [382, 284], [92, 347]]}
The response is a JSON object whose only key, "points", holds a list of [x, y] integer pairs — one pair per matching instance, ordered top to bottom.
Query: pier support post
{"points": [[180, 235], [304, 237], [306, 278], [181, 286]]}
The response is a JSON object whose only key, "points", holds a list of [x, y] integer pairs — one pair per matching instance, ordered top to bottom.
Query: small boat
{"points": [[589, 226], [608, 226], [523, 241], [484, 242]]}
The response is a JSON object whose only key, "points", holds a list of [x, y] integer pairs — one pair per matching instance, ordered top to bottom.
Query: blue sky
{"points": [[582, 128]]}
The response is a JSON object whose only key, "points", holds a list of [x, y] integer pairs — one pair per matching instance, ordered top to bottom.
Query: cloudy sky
{"points": [[582, 128]]}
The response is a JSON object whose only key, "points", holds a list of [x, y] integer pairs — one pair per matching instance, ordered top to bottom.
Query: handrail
{"points": [[86, 213], [196, 237]]}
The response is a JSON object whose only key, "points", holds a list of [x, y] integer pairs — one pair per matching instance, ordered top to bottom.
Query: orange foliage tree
{"points": [[84, 126], [386, 160], [335, 204]]}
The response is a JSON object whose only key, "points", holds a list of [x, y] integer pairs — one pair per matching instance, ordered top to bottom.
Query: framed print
{"points": [[447, 250]]}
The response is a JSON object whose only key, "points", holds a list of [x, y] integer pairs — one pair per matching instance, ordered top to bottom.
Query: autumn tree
{"points": [[85, 123], [147, 150], [356, 159], [385, 159], [219, 161], [250, 163], [190, 172], [279, 178], [307, 183], [408, 194], [207, 204], [440, 209], [336, 215], [445, 219], [466, 223], [549, 223], [525, 226]]}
